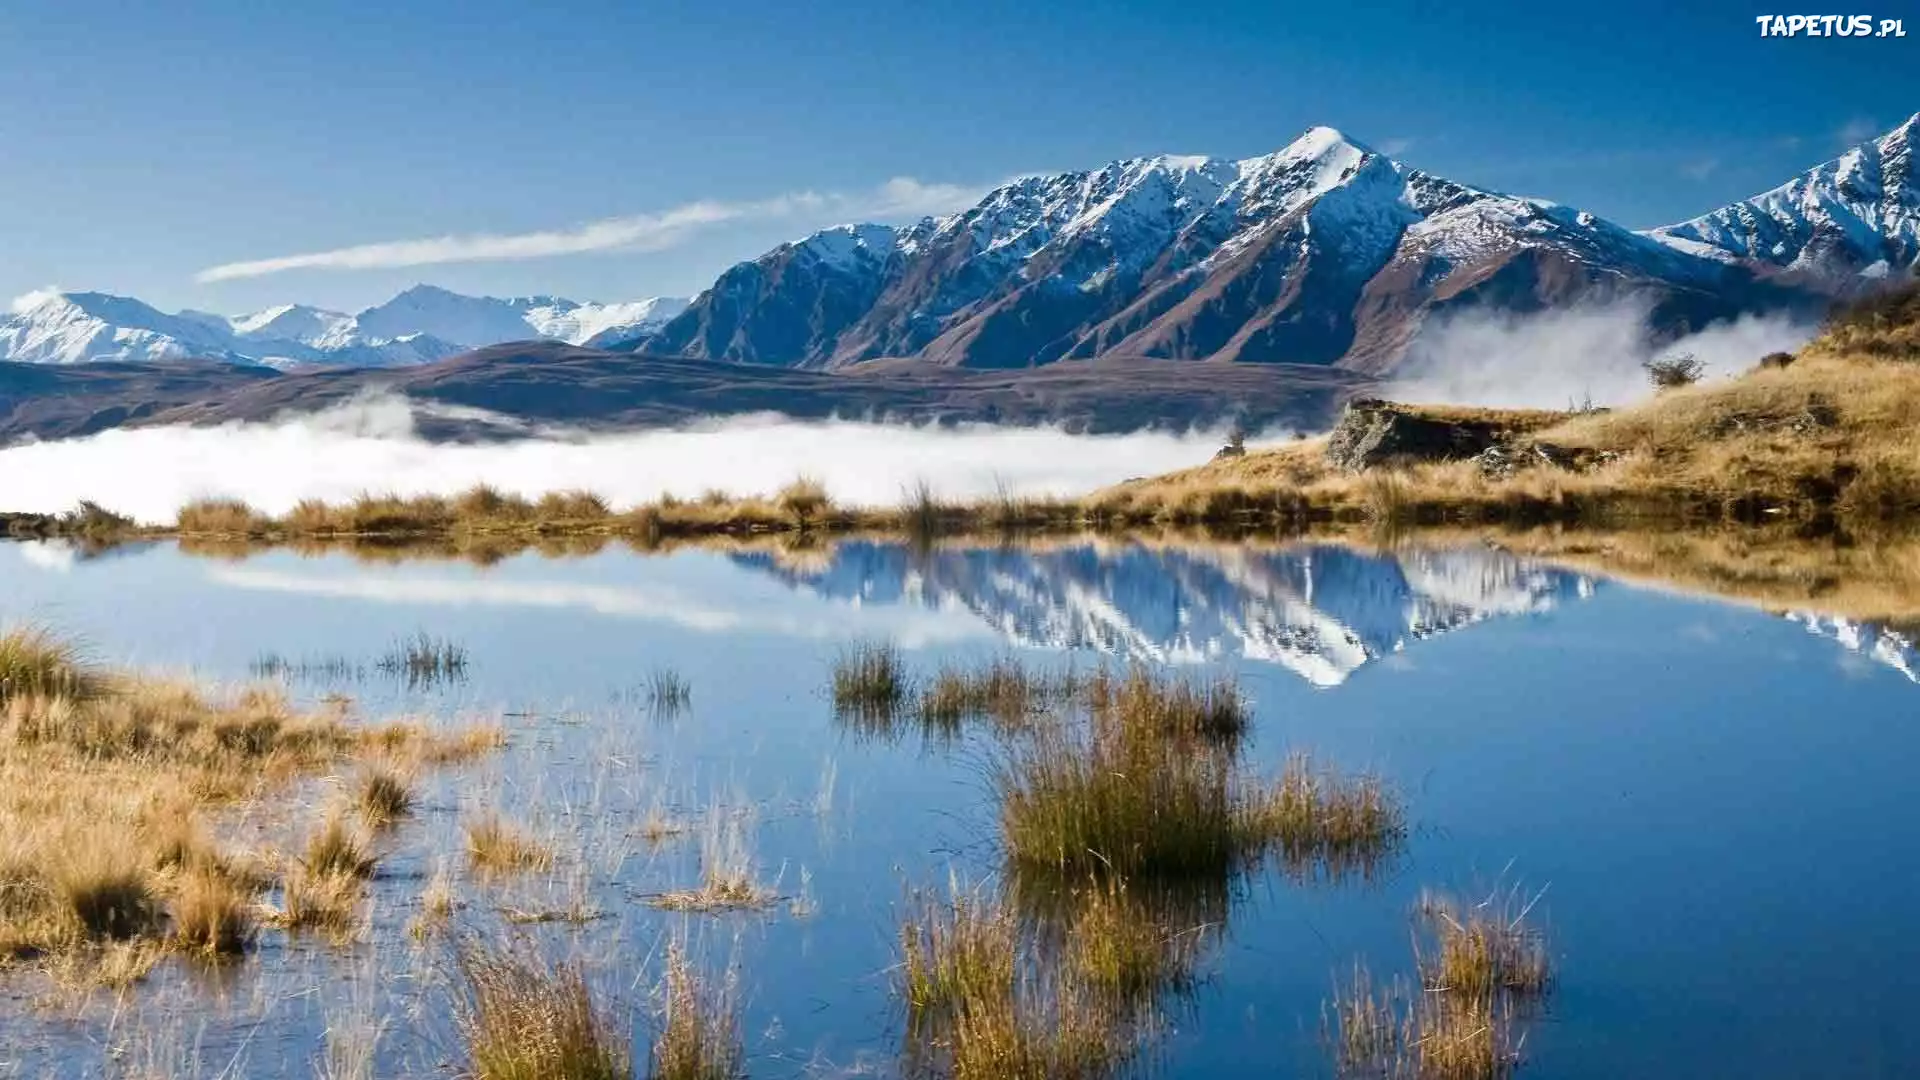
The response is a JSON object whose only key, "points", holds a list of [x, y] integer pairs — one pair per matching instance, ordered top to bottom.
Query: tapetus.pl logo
{"points": [[1813, 26]]}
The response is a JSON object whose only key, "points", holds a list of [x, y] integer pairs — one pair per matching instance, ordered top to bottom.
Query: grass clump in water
{"points": [[425, 661], [870, 679], [1002, 690], [1173, 706], [383, 794], [1323, 822], [496, 846], [336, 849], [726, 870], [212, 913], [1485, 948], [960, 950], [1483, 969], [979, 1009], [522, 1017], [699, 1033]]}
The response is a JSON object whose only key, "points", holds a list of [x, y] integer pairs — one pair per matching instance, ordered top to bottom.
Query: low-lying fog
{"points": [[1578, 355], [371, 447]]}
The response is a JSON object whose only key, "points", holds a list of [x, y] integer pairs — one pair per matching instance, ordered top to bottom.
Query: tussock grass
{"points": [[804, 500], [222, 518], [37, 664], [870, 679], [1003, 690], [1174, 706], [102, 777], [383, 794], [1325, 822], [497, 846], [337, 849], [106, 894], [328, 903], [212, 913], [1122, 941], [1486, 948], [956, 950], [1483, 969], [978, 1009], [524, 1017], [698, 1036]]}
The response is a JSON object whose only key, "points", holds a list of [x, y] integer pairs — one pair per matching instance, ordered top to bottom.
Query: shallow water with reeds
{"points": [[1707, 804]]}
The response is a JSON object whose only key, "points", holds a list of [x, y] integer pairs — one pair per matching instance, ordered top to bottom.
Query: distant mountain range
{"points": [[1323, 253], [419, 326]]}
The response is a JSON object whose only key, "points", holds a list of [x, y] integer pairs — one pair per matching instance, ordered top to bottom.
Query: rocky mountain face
{"points": [[1836, 228], [1326, 252], [419, 326], [1320, 611]]}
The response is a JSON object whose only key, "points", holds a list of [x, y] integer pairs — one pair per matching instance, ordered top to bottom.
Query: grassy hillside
{"points": [[1833, 436]]}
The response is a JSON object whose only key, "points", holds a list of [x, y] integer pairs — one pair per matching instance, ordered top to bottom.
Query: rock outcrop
{"points": [[1373, 432]]}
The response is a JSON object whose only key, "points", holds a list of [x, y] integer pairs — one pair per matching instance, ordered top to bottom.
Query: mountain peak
{"points": [[1849, 221]]}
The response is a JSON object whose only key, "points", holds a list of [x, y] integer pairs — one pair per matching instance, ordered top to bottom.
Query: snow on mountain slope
{"points": [[1855, 217], [1325, 251], [419, 326], [69, 328], [1321, 612]]}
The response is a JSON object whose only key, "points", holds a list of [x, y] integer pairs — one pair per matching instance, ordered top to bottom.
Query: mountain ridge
{"points": [[1325, 251], [420, 325]]}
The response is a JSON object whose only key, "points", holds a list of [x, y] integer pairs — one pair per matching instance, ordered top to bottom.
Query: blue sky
{"points": [[142, 144]]}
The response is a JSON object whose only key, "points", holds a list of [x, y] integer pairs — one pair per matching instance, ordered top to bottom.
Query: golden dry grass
{"points": [[104, 778], [498, 846], [524, 1017], [698, 1036]]}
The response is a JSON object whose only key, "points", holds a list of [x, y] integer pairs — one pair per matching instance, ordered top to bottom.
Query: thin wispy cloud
{"points": [[1856, 131], [1396, 147], [1700, 170], [900, 197]]}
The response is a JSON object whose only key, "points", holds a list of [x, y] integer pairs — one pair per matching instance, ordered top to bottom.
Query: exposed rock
{"points": [[1777, 360], [1373, 432]]}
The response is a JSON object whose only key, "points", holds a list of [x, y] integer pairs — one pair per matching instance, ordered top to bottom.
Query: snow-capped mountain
{"points": [[1855, 217], [1323, 252], [418, 326], [1319, 611]]}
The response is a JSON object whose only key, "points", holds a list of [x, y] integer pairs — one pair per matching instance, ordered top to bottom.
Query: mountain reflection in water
{"points": [[1321, 611]]}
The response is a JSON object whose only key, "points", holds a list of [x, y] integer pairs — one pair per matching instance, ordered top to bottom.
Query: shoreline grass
{"points": [[104, 780]]}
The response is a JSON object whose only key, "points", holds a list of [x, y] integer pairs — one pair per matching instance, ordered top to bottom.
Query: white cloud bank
{"points": [[900, 197], [1570, 356], [370, 446]]}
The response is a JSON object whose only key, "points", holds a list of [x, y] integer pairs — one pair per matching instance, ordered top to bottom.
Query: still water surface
{"points": [[1715, 800]]}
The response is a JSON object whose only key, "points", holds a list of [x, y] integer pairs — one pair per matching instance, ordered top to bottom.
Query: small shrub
{"points": [[1674, 371], [804, 500]]}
